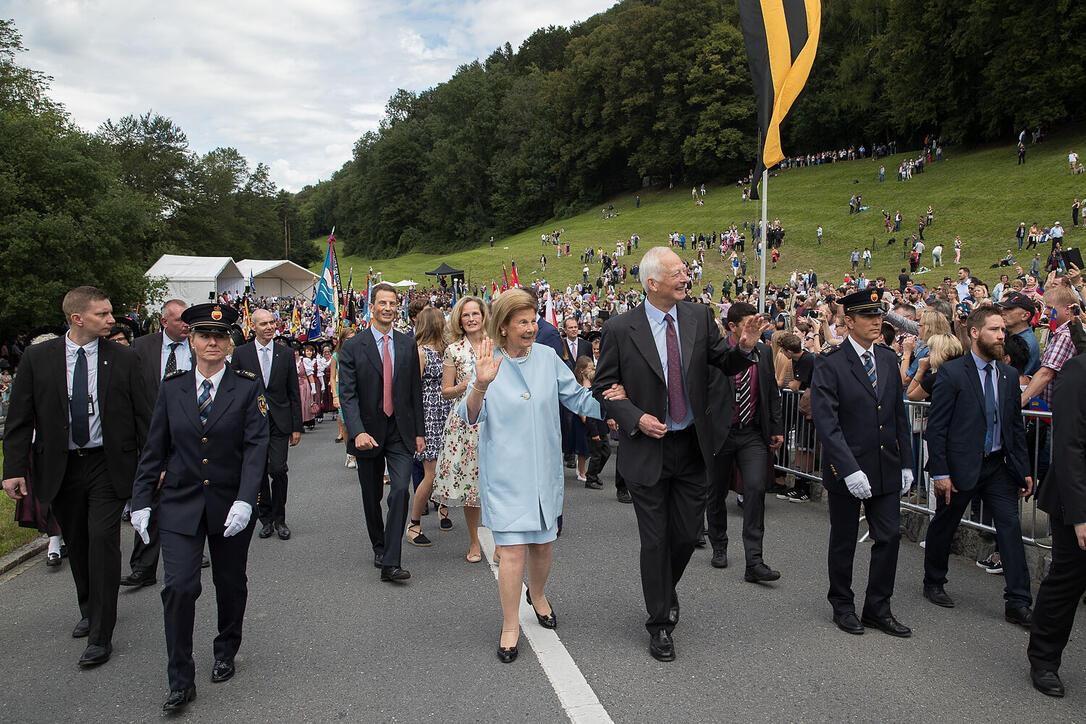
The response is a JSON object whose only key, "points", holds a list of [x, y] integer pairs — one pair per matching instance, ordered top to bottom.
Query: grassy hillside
{"points": [[981, 195]]}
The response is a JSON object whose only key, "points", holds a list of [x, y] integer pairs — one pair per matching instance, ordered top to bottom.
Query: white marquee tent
{"points": [[278, 277], [197, 279]]}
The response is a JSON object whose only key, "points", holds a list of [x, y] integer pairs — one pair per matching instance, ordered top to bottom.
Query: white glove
{"points": [[313, 388], [906, 480], [858, 484], [238, 518], [140, 519]]}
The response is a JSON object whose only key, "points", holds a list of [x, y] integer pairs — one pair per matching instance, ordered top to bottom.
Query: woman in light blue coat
{"points": [[514, 398]]}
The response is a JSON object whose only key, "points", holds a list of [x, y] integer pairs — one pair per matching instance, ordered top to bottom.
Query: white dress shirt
{"points": [[71, 349], [183, 355], [265, 355], [215, 380]]}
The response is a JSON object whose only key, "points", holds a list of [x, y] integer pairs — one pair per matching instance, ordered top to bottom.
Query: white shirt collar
{"points": [[656, 315], [166, 342], [267, 346], [90, 348], [860, 351], [215, 379]]}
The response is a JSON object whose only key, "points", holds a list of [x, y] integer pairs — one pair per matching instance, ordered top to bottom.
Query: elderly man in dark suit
{"points": [[660, 352], [161, 354], [274, 365], [380, 395], [77, 419], [749, 426], [210, 434], [977, 446], [867, 458], [1063, 497]]}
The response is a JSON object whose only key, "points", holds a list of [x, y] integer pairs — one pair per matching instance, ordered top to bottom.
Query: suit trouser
{"points": [[746, 449], [601, 453], [1000, 496], [272, 502], [89, 512], [669, 515], [883, 521], [387, 539], [144, 557], [181, 557], [1057, 599]]}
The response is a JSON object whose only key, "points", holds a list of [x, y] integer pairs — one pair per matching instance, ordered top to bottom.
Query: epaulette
{"points": [[832, 350], [175, 373], [246, 374]]}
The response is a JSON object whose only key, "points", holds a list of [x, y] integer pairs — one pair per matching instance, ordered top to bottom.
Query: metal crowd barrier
{"points": [[801, 456]]}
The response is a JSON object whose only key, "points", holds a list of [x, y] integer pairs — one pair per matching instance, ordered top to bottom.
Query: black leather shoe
{"points": [[593, 484], [623, 496], [266, 531], [283, 531], [699, 542], [720, 558], [52, 559], [377, 560], [205, 562], [394, 573], [760, 573], [139, 579], [938, 596], [1021, 615], [548, 621], [848, 623], [888, 624], [81, 629], [661, 646], [95, 654], [507, 656], [221, 671], [1046, 682], [178, 700]]}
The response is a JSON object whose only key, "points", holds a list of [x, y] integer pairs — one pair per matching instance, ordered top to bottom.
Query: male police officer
{"points": [[859, 413], [209, 432]]}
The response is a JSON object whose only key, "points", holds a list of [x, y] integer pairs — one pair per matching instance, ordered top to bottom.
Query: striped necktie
{"points": [[869, 367], [743, 397], [204, 401]]}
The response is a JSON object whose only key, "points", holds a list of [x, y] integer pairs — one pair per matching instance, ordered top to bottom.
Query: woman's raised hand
{"points": [[486, 365]]}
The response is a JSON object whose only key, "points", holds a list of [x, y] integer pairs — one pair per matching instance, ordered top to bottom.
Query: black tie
{"points": [[171, 361], [80, 404]]}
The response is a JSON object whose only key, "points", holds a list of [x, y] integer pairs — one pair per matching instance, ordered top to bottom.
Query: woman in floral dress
{"points": [[429, 336], [457, 478]]}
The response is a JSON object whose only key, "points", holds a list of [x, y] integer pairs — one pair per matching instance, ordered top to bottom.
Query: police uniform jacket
{"points": [[860, 428], [208, 466], [1063, 494]]}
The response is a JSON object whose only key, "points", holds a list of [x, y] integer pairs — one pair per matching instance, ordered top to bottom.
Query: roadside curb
{"points": [[21, 554]]}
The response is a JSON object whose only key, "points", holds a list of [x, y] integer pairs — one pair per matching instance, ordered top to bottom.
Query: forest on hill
{"points": [[660, 90]]}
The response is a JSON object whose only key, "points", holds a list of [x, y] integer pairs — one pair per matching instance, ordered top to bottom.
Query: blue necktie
{"points": [[869, 367], [204, 401], [80, 403], [989, 410]]}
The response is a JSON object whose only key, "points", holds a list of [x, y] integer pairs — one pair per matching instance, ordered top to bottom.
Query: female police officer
{"points": [[209, 433]]}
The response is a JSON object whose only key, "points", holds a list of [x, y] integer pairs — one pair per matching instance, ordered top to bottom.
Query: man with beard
{"points": [[977, 446]]}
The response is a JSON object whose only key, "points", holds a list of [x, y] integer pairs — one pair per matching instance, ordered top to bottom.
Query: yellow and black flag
{"points": [[781, 38]]}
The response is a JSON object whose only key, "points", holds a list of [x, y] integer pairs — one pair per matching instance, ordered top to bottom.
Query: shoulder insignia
{"points": [[831, 350], [175, 373], [246, 374], [262, 405]]}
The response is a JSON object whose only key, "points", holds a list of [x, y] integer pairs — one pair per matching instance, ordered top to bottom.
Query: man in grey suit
{"points": [[660, 352], [160, 354]]}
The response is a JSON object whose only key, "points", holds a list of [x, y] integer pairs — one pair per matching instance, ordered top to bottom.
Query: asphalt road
{"points": [[326, 640]]}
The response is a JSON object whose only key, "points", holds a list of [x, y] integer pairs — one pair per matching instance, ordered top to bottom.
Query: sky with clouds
{"points": [[291, 83]]}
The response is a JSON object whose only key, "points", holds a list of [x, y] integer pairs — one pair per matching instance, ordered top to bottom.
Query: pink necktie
{"points": [[386, 373]]}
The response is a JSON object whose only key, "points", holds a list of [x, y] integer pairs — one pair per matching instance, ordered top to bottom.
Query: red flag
{"points": [[505, 277], [516, 282], [493, 289]]}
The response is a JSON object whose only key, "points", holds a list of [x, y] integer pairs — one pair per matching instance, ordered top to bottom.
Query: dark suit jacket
{"points": [[548, 335], [584, 349], [149, 350], [628, 357], [361, 393], [284, 400], [768, 404], [39, 412], [956, 423], [860, 429], [208, 466], [1063, 494]]}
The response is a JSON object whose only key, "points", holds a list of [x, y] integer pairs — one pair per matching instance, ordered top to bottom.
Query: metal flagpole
{"points": [[762, 306]]}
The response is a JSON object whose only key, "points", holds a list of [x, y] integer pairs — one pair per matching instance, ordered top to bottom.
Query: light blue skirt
{"points": [[525, 537]]}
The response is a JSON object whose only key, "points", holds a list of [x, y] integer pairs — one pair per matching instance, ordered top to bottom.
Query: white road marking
{"points": [[579, 701]]}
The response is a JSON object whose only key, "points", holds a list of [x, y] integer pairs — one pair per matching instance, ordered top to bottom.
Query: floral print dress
{"points": [[457, 479]]}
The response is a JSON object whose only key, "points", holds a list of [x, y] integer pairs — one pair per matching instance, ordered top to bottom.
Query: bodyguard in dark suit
{"points": [[573, 347], [660, 352], [160, 354], [274, 365], [380, 396], [859, 413], [78, 416], [749, 425], [210, 433], [977, 446], [1063, 497]]}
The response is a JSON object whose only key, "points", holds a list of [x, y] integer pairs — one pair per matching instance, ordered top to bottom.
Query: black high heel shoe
{"points": [[548, 621], [507, 655]]}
